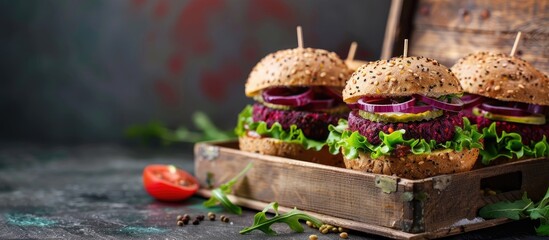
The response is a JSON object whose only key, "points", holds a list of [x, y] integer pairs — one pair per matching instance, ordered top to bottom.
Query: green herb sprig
{"points": [[157, 132], [219, 195], [520, 209], [291, 218]]}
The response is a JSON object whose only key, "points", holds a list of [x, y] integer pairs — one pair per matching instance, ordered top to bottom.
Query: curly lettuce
{"points": [[292, 135], [353, 142], [509, 145]]}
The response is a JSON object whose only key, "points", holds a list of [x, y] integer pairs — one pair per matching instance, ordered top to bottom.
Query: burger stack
{"points": [[406, 116]]}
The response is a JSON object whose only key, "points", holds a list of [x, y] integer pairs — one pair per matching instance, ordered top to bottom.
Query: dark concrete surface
{"points": [[95, 192]]}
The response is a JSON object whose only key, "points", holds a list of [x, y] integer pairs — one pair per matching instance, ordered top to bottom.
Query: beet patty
{"points": [[313, 124], [440, 129], [528, 132]]}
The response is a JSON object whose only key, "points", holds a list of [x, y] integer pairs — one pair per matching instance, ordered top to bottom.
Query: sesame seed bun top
{"points": [[297, 67], [500, 76], [401, 77]]}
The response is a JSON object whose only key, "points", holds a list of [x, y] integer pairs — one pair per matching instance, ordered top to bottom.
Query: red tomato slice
{"points": [[167, 183]]}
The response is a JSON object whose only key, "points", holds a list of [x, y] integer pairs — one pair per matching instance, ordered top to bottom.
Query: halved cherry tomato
{"points": [[167, 183]]}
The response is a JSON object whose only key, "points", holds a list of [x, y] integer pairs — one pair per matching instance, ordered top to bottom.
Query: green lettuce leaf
{"points": [[293, 135], [353, 142], [509, 145]]}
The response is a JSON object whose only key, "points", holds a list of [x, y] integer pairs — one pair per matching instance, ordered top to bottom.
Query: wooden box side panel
{"points": [[448, 30], [312, 187], [453, 198]]}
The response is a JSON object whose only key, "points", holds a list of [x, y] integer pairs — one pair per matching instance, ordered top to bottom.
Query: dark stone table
{"points": [[96, 192]]}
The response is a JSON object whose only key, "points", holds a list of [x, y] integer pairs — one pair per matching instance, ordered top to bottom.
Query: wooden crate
{"points": [[447, 30], [384, 205]]}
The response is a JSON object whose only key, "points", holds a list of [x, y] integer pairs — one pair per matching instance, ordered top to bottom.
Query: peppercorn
{"points": [[186, 216], [211, 216], [200, 217], [179, 218], [224, 219], [185, 221], [196, 222], [179, 223], [344, 235], [313, 237]]}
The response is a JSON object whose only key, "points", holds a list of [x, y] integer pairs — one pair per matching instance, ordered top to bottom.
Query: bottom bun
{"points": [[275, 147], [416, 166]]}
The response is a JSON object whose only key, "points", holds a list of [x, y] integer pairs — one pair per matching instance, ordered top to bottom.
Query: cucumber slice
{"points": [[395, 117], [535, 119]]}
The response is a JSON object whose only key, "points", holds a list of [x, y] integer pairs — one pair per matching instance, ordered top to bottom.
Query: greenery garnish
{"points": [[156, 131], [293, 135], [353, 142], [509, 145], [219, 195], [520, 209], [291, 218]]}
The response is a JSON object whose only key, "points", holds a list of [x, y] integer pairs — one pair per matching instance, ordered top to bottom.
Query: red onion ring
{"points": [[276, 96], [471, 100], [321, 104], [393, 107], [454, 107], [418, 109], [537, 109], [503, 110]]}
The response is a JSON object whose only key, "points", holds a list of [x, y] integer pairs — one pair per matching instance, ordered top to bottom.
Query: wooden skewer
{"points": [[299, 37], [517, 39], [352, 51], [405, 54]]}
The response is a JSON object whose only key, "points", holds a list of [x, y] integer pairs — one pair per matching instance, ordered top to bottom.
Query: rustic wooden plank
{"points": [[481, 15], [391, 28], [448, 46], [318, 188], [461, 197], [429, 207], [349, 224], [369, 228]]}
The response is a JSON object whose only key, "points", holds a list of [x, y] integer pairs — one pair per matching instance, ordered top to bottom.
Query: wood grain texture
{"points": [[480, 15], [448, 30], [448, 46], [323, 189], [462, 197], [415, 206]]}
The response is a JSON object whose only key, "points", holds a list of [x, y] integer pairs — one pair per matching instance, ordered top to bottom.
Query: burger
{"points": [[297, 95], [509, 101], [405, 121]]}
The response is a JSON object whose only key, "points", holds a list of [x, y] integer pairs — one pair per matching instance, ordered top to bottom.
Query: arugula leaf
{"points": [[292, 135], [353, 142], [509, 145], [219, 195], [506, 209], [519, 209], [291, 218], [543, 230]]}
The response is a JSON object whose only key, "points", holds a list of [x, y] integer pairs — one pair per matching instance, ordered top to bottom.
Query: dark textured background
{"points": [[82, 71]]}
